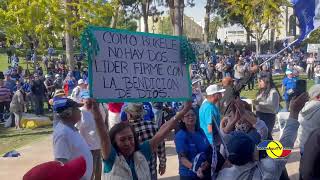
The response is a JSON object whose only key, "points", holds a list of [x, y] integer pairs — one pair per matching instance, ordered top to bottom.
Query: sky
{"points": [[197, 12]]}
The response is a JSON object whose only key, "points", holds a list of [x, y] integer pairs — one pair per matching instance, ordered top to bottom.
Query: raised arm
{"points": [[244, 81], [168, 126], [102, 130]]}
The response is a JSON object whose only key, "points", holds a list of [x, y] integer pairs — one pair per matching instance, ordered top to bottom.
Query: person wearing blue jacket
{"points": [[288, 86]]}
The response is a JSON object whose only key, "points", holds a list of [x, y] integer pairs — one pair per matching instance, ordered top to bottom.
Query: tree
{"points": [[141, 8], [208, 8], [176, 9], [257, 15], [126, 22], [32, 23], [38, 23], [214, 25], [165, 26]]}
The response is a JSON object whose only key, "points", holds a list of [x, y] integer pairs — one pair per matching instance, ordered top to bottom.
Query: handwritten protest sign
{"points": [[132, 67]]}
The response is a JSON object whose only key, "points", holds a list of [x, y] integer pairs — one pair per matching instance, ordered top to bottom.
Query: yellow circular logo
{"points": [[274, 149]]}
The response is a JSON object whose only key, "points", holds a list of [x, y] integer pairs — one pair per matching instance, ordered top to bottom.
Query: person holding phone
{"points": [[267, 102]]}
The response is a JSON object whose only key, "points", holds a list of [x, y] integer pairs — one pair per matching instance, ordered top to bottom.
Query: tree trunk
{"points": [[170, 4], [145, 14], [182, 15], [115, 16], [177, 18], [287, 20], [207, 21], [68, 38], [248, 39], [272, 39], [258, 44]]}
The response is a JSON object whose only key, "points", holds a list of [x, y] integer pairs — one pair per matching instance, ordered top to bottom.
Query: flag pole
{"points": [[275, 55]]}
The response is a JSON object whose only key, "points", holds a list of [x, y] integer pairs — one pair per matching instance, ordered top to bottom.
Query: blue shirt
{"points": [[77, 75], [10, 84], [288, 84], [26, 87], [206, 112], [149, 116], [190, 144], [144, 149]]}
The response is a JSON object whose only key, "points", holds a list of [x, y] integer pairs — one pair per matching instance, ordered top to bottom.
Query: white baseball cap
{"points": [[81, 81], [214, 89]]}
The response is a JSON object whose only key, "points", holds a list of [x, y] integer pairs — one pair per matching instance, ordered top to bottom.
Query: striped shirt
{"points": [[5, 95]]}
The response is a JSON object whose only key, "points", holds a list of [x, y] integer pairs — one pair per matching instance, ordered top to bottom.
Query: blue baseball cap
{"points": [[61, 104], [241, 148]]}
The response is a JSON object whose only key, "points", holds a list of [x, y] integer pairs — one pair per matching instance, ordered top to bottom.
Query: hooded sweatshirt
{"points": [[309, 119]]}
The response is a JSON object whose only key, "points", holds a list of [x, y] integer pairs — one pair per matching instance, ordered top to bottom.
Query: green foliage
{"points": [[253, 15], [42, 22], [126, 23], [214, 25], [165, 26], [314, 37]]}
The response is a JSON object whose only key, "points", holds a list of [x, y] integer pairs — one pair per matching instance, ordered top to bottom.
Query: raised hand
{"points": [[296, 104]]}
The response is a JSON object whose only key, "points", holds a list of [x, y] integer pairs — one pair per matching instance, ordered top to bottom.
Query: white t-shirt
{"points": [[75, 95], [87, 129], [68, 144]]}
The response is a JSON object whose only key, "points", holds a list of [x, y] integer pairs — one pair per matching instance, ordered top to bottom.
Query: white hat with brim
{"points": [[288, 72], [80, 81], [214, 89]]}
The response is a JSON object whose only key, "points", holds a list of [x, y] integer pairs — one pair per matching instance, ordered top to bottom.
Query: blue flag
{"points": [[308, 14]]}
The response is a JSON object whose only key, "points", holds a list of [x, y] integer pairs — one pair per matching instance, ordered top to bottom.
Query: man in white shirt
{"points": [[75, 95], [87, 129], [67, 142]]}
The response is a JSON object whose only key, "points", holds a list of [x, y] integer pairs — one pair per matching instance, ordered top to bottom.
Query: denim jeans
{"points": [[317, 80], [39, 105], [269, 119]]}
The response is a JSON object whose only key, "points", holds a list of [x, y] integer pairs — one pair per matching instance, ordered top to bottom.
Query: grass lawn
{"points": [[4, 63], [278, 82], [11, 139]]}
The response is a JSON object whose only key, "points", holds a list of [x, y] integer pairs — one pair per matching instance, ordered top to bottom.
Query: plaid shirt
{"points": [[145, 130]]}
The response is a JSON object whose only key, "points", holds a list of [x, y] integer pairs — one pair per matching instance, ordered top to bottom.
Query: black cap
{"points": [[1, 75]]}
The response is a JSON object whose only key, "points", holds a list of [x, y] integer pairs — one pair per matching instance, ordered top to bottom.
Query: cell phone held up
{"points": [[301, 87]]}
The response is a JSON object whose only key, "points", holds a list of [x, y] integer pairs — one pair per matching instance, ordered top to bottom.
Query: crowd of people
{"points": [[214, 68], [28, 92], [215, 134]]}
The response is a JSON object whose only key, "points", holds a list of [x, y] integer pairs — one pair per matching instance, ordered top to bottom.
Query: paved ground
{"points": [[41, 151]]}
